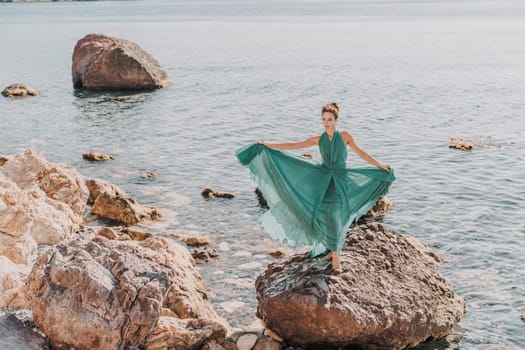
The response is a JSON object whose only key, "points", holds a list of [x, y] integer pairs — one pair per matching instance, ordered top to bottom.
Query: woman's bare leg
{"points": [[335, 261]]}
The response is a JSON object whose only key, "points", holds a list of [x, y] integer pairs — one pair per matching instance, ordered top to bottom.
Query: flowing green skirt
{"points": [[311, 204]]}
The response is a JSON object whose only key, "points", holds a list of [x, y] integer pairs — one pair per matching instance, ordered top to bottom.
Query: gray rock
{"points": [[15, 335]]}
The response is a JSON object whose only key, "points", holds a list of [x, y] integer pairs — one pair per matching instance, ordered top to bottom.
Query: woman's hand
{"points": [[385, 167]]}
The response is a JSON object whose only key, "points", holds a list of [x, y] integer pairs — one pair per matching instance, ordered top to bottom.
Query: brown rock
{"points": [[104, 63], [19, 90], [460, 143], [97, 156], [3, 159], [209, 192], [262, 201], [40, 202], [111, 202], [379, 209], [107, 232], [137, 235], [195, 241], [276, 253], [204, 254], [115, 292], [388, 295], [189, 334], [15, 335], [267, 343], [229, 345], [212, 346]]}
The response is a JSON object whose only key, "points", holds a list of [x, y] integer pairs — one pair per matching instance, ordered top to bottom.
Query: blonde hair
{"points": [[332, 108]]}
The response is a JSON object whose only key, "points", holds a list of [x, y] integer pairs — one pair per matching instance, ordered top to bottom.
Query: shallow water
{"points": [[407, 75]]}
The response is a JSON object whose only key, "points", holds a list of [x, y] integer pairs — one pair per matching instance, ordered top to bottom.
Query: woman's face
{"points": [[328, 120]]}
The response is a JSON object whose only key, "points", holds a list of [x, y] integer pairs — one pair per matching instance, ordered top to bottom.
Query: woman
{"points": [[314, 204]]}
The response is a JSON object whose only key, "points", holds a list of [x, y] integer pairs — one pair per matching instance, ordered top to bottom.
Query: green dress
{"points": [[313, 203]]}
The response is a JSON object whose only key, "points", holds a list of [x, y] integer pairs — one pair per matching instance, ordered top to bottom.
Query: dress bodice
{"points": [[333, 152]]}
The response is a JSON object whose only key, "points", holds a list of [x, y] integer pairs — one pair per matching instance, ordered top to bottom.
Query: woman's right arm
{"points": [[293, 145]]}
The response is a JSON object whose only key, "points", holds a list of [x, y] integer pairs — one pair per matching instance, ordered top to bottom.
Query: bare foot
{"points": [[328, 256]]}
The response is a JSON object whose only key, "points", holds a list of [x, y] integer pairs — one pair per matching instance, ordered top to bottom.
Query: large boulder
{"points": [[101, 62], [111, 202], [91, 292], [388, 294]]}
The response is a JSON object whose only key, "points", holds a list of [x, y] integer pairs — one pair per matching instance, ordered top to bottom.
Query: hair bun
{"points": [[334, 104]]}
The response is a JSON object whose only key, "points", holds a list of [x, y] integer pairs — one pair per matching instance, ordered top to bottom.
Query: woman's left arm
{"points": [[349, 140]]}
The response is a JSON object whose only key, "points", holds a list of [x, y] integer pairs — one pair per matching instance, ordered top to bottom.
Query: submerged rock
{"points": [[101, 62], [19, 90], [461, 144], [97, 156], [211, 193], [113, 203], [379, 209], [116, 292], [388, 294]]}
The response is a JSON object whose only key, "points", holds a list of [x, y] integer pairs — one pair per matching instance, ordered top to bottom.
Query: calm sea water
{"points": [[408, 75]]}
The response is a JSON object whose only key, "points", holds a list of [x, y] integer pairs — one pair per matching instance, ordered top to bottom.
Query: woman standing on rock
{"points": [[314, 204]]}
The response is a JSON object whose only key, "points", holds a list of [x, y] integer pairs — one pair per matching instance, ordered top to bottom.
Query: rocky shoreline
{"points": [[68, 285]]}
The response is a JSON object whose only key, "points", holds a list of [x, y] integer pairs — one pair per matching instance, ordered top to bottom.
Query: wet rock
{"points": [[101, 62], [19, 90], [480, 141], [460, 143], [97, 156], [150, 175], [211, 193], [260, 197], [111, 202], [379, 209], [197, 241], [276, 253], [204, 254], [116, 292], [368, 303], [523, 316], [190, 334], [15, 335], [246, 341]]}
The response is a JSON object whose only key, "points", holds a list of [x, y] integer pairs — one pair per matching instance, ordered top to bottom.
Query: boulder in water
{"points": [[101, 62], [388, 294]]}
